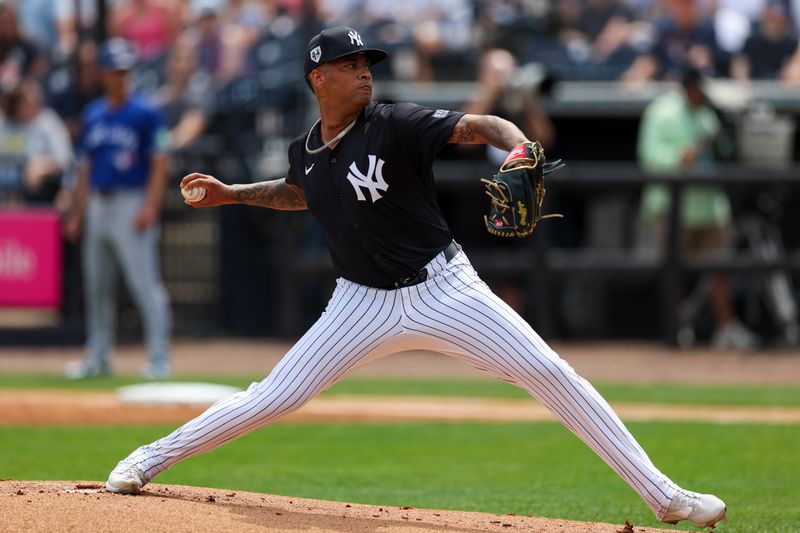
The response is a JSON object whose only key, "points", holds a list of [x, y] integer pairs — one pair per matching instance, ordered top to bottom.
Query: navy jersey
{"points": [[119, 143], [374, 193]]}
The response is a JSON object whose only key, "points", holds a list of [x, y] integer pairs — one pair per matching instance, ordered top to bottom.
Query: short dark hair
{"points": [[13, 97], [10, 102]]}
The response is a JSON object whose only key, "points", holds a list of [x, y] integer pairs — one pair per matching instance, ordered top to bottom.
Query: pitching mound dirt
{"points": [[33, 506]]}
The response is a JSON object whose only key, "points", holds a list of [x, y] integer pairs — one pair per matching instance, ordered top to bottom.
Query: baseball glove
{"points": [[517, 191]]}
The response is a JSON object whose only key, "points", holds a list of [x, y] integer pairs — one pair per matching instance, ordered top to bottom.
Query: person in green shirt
{"points": [[677, 132]]}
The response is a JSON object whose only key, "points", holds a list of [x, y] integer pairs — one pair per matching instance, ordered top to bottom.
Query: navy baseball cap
{"points": [[334, 43], [118, 54]]}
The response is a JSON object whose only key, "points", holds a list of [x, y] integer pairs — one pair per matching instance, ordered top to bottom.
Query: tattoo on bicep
{"points": [[466, 132], [462, 133], [275, 194]]}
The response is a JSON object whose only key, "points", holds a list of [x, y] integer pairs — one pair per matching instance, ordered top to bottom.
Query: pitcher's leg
{"points": [[353, 328], [482, 329]]}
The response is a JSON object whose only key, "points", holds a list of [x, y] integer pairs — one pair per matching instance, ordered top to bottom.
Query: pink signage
{"points": [[30, 258]]}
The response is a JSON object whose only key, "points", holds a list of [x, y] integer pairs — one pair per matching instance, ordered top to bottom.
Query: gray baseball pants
{"points": [[111, 242]]}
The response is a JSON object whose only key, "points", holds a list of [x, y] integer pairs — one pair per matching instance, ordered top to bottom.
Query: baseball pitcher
{"points": [[364, 170]]}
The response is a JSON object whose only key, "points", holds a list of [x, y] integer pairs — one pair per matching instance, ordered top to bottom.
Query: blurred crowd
{"points": [[192, 50], [202, 56], [234, 67]]}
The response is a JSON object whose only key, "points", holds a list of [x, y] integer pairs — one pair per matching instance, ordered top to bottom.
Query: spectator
{"points": [[291, 7], [647, 10], [331, 13], [794, 13], [246, 18], [77, 19], [734, 21], [241, 22], [606, 23], [148, 24], [510, 24], [50, 25], [204, 33], [441, 34], [598, 34], [685, 36], [220, 47], [769, 49], [18, 56], [790, 74], [72, 89], [497, 93], [184, 98], [677, 132], [35, 148], [121, 176]]}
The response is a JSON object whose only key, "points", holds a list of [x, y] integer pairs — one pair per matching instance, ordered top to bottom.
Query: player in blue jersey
{"points": [[121, 178]]}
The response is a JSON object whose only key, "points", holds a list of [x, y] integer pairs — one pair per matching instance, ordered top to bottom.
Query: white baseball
{"points": [[194, 194]]}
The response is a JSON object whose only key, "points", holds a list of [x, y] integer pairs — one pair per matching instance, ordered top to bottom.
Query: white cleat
{"points": [[126, 478], [703, 510]]}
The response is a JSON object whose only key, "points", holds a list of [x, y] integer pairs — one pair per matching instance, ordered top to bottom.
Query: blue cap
{"points": [[118, 54]]}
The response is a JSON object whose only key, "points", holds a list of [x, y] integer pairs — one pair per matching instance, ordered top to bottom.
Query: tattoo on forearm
{"points": [[275, 194]]}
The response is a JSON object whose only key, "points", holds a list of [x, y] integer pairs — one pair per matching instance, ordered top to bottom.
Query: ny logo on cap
{"points": [[355, 38], [316, 54]]}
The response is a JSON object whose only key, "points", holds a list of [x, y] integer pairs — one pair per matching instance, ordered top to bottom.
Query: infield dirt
{"points": [[606, 362], [46, 506]]}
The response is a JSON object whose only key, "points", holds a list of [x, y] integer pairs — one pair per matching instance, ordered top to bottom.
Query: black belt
{"points": [[449, 253]]}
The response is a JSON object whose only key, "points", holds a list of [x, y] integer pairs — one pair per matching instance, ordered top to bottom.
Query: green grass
{"points": [[55, 381], [489, 388], [657, 393], [537, 469]]}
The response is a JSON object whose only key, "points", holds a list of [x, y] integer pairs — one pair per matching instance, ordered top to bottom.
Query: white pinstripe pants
{"points": [[454, 313]]}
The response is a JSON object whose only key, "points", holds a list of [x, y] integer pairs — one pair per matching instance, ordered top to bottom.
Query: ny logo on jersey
{"points": [[355, 38], [373, 181]]}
